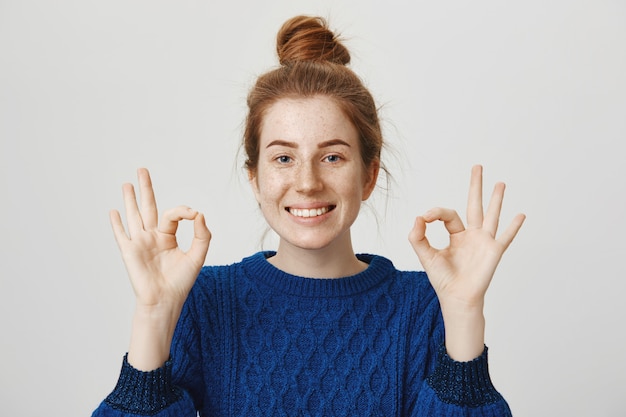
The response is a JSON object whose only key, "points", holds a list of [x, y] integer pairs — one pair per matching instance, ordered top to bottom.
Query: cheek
{"points": [[355, 185], [266, 188], [350, 192]]}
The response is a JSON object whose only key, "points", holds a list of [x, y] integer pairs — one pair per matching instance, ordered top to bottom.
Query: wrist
{"points": [[164, 315], [464, 331], [151, 337]]}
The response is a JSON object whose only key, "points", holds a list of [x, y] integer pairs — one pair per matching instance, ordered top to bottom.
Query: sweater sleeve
{"points": [[436, 384], [460, 389], [171, 390], [139, 393]]}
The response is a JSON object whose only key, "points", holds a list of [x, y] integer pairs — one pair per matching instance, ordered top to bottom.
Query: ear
{"points": [[371, 176], [252, 178]]}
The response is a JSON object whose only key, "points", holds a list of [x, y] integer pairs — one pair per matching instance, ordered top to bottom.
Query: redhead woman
{"points": [[310, 328]]}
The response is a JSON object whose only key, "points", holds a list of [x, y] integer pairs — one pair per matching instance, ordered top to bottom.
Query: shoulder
{"points": [[382, 265], [217, 272], [214, 280], [412, 282], [419, 291], [213, 292], [414, 300]]}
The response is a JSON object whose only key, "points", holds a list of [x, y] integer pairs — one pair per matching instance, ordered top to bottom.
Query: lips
{"points": [[314, 212]]}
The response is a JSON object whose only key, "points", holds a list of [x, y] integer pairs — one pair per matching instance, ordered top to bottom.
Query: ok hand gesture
{"points": [[160, 272], [462, 272]]}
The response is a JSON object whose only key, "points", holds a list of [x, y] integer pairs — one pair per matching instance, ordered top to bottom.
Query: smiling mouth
{"points": [[309, 212]]}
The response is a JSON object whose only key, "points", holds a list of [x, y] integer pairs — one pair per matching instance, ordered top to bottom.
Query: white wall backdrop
{"points": [[535, 91]]}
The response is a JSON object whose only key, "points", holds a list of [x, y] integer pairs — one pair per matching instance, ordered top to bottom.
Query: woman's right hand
{"points": [[160, 272]]}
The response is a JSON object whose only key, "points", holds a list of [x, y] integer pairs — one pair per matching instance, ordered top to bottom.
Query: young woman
{"points": [[311, 329]]}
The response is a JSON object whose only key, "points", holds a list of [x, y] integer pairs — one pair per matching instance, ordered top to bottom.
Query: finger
{"points": [[475, 198], [149, 212], [133, 217], [449, 217], [492, 217], [171, 218], [118, 227], [511, 231], [201, 239], [420, 242]]}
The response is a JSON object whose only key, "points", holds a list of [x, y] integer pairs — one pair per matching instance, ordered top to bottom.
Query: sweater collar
{"points": [[258, 269]]}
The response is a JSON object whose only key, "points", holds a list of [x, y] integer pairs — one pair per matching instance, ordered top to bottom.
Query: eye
{"points": [[333, 158], [283, 159]]}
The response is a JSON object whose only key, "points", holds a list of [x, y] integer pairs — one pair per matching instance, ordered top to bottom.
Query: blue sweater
{"points": [[255, 341]]}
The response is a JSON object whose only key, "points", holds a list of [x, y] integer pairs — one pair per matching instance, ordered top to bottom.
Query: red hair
{"points": [[313, 62]]}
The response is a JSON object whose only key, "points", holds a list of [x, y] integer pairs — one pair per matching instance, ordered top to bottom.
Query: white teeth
{"points": [[308, 212]]}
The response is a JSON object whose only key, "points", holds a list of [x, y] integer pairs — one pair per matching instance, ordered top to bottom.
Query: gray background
{"points": [[534, 90]]}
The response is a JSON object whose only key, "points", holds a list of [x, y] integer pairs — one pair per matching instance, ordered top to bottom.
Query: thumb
{"points": [[201, 239], [419, 241]]}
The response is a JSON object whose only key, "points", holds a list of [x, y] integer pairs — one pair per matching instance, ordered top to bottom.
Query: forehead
{"points": [[306, 119]]}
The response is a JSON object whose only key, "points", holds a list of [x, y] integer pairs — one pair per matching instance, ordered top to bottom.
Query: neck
{"points": [[333, 261]]}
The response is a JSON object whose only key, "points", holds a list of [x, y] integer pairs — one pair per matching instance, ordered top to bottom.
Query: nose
{"points": [[308, 178]]}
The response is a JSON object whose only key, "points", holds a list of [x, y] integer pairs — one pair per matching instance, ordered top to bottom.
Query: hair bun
{"points": [[306, 38]]}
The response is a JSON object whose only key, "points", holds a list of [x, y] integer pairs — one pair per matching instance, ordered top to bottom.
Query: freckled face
{"points": [[310, 180]]}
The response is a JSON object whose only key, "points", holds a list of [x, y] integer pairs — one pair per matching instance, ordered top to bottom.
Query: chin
{"points": [[308, 245]]}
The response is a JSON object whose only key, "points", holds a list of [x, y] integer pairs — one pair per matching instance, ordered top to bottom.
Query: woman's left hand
{"points": [[462, 272]]}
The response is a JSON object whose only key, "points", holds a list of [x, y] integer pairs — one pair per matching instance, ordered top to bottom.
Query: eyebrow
{"points": [[325, 144]]}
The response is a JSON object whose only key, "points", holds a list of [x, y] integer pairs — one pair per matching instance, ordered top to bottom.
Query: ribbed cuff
{"points": [[465, 384], [144, 393]]}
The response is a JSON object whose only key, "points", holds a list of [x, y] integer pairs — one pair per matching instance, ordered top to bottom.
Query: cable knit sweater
{"points": [[255, 341]]}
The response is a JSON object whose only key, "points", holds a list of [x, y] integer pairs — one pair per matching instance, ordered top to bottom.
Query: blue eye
{"points": [[333, 158], [284, 159]]}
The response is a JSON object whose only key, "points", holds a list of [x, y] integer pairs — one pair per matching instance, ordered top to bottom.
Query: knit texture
{"points": [[255, 341], [151, 392]]}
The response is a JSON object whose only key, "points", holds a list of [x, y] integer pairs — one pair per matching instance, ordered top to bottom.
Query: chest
{"points": [[332, 356]]}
